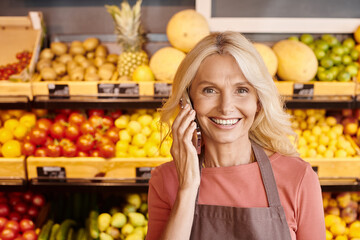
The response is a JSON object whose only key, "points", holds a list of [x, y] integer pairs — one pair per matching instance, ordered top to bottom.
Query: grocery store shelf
{"points": [[103, 101], [14, 102], [320, 102], [12, 184], [339, 184]]}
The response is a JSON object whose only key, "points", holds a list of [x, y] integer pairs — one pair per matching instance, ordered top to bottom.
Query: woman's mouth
{"points": [[225, 122]]}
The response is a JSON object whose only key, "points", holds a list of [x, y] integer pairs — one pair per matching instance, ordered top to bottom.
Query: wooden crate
{"points": [[19, 34], [12, 167], [91, 167], [337, 167]]}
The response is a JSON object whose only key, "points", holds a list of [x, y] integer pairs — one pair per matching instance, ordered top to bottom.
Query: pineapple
{"points": [[130, 36]]}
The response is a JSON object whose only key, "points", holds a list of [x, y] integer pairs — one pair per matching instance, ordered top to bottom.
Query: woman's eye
{"points": [[208, 90], [242, 90]]}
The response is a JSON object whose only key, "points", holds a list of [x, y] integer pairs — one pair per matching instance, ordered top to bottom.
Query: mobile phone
{"points": [[197, 136]]}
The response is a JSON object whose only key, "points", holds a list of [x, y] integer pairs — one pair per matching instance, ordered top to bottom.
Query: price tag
{"points": [[162, 89], [58, 90], [112, 90], [303, 91], [144, 172], [54, 173]]}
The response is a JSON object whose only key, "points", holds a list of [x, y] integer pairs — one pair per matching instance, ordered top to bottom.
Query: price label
{"points": [[162, 89], [58, 90], [111, 90], [303, 91], [52, 172], [144, 172]]}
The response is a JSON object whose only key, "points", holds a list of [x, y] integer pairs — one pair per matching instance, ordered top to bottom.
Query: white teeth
{"points": [[225, 122]]}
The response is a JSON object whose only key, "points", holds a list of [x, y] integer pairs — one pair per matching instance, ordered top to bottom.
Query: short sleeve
{"points": [[158, 206], [310, 212]]}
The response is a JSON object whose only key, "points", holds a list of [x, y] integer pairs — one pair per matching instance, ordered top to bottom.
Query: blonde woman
{"points": [[248, 182]]}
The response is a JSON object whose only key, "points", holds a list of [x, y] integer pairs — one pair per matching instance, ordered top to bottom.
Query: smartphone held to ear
{"points": [[197, 135]]}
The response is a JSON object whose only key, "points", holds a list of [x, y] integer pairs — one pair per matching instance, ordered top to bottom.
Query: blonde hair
{"points": [[271, 126]]}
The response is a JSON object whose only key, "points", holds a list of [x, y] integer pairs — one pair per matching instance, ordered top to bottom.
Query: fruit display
{"points": [[130, 36], [269, 57], [81, 61], [338, 61], [10, 69], [322, 135], [18, 214], [342, 215]]}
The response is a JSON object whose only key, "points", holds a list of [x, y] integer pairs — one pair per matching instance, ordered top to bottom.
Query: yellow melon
{"points": [[186, 28], [268, 56], [165, 62], [297, 62]]}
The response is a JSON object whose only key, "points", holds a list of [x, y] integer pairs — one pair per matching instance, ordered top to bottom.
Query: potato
{"points": [[75, 44], [90, 44], [58, 48], [74, 50], [101, 51], [46, 53], [90, 55], [64, 58], [79, 58], [112, 58], [98, 61], [42, 63], [86, 63], [71, 65], [109, 66], [59, 68], [90, 69], [106, 71], [48, 73], [77, 74], [91, 77]]}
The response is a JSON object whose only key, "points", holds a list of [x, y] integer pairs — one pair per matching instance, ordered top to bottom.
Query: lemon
{"points": [[143, 73], [134, 116], [28, 119], [145, 120], [122, 121], [331, 121], [11, 124], [133, 127], [316, 130], [146, 131], [20, 132], [5, 135], [124, 135], [155, 137], [139, 140], [324, 140], [122, 146], [11, 149], [151, 149], [165, 149], [321, 149], [311, 153], [329, 153], [340, 153], [331, 220], [337, 229]]}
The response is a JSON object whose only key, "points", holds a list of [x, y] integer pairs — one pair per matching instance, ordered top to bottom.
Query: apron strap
{"points": [[267, 175]]}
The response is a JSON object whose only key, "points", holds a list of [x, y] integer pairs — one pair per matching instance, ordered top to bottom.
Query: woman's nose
{"points": [[226, 103]]}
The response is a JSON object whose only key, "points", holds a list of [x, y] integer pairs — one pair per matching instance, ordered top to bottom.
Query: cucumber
{"points": [[93, 226], [45, 230], [54, 231], [62, 234], [70, 234]]}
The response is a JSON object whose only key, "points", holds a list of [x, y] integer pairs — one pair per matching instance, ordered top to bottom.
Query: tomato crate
{"points": [[20, 34], [12, 167], [89, 167]]}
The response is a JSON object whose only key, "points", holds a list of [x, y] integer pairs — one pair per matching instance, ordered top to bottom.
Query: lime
{"points": [[295, 38], [306, 38], [330, 39], [349, 42], [322, 44], [312, 46], [338, 50], [346, 50], [319, 53], [354, 54], [336, 58], [346, 59], [326, 62], [355, 64], [341, 67], [320, 69], [352, 69], [334, 70], [143, 73], [325, 76], [344, 76]]}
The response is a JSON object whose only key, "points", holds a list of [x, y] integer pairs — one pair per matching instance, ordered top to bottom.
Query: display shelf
{"points": [[15, 102], [320, 102], [12, 184], [339, 184]]}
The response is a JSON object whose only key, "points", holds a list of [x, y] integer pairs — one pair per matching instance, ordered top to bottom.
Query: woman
{"points": [[245, 149]]}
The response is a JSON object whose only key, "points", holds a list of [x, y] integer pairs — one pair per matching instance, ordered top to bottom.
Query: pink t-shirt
{"points": [[242, 186]]}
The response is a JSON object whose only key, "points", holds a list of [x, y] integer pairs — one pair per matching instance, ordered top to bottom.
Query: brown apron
{"points": [[223, 222]]}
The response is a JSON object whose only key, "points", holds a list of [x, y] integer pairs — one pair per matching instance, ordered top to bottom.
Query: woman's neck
{"points": [[229, 154]]}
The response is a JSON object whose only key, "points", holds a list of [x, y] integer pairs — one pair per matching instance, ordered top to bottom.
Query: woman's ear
{"points": [[258, 108]]}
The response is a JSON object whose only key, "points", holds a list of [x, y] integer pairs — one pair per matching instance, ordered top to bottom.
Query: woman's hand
{"points": [[183, 151]]}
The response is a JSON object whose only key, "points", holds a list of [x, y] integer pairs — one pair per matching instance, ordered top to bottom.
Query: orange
{"points": [[357, 34]]}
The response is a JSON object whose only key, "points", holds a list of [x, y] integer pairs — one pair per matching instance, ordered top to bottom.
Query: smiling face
{"points": [[224, 101]]}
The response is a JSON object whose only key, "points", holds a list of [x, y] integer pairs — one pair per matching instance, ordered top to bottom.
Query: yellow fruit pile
{"points": [[16, 124], [140, 135], [320, 136], [341, 215]]}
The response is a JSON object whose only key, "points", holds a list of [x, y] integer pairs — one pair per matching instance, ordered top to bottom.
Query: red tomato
{"points": [[64, 111], [40, 112], [96, 112], [115, 114], [62, 118], [76, 118], [96, 121], [107, 122], [44, 124], [87, 128], [57, 130], [72, 132], [113, 134], [37, 136], [103, 140], [48, 141], [85, 142], [28, 148], [53, 150], [69, 150], [107, 150], [40, 152], [95, 153], [82, 154], [28, 196], [3, 199], [13, 200], [38, 200], [20, 207], [4, 210], [33, 211], [15, 216], [3, 221], [26, 224], [14, 225], [8, 234], [30, 235], [19, 237]]}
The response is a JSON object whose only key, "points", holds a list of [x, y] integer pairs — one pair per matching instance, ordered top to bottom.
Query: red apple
{"points": [[347, 112], [28, 196], [38, 200], [20, 207], [4, 210], [33, 211], [349, 215], [15, 216], [3, 221], [26, 224], [14, 225], [8, 234]]}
